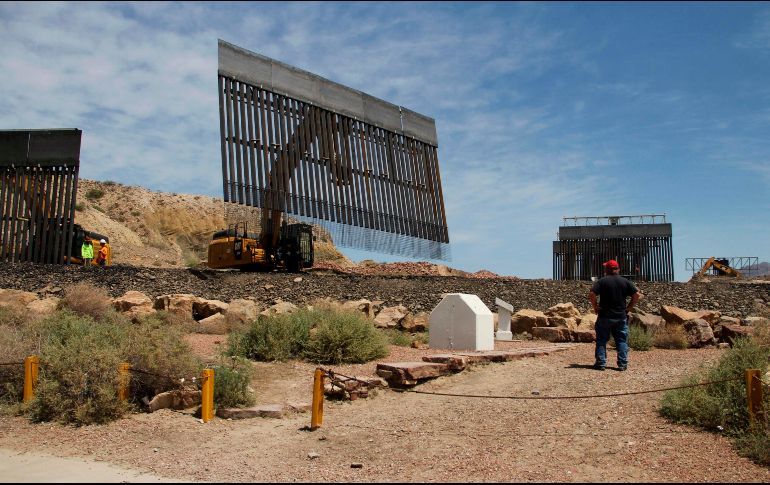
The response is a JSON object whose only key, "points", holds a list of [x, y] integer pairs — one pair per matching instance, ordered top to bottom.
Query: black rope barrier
{"points": [[11, 363], [630, 393]]}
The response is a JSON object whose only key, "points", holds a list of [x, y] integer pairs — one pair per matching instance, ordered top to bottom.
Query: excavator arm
{"points": [[712, 262]]}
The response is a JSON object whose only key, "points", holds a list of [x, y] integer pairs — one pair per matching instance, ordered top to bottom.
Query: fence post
{"points": [[31, 368], [124, 379], [207, 395], [754, 395], [317, 415]]}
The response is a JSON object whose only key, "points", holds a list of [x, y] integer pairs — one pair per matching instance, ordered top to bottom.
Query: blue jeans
{"points": [[619, 331]]}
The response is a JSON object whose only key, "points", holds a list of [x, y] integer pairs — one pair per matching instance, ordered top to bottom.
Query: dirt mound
{"points": [[165, 230]]}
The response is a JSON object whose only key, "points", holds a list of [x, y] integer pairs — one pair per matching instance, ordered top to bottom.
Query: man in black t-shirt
{"points": [[612, 291]]}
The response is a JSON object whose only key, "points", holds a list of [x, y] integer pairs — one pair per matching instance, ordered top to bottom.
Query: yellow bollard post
{"points": [[31, 368], [124, 379], [207, 395], [754, 395], [317, 415]]}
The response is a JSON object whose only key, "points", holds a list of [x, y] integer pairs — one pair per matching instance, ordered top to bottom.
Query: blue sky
{"points": [[543, 110]]}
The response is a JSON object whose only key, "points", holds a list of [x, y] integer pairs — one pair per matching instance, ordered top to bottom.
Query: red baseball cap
{"points": [[611, 264]]}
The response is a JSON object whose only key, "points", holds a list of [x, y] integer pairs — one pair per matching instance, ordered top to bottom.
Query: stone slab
{"points": [[263, 411]]}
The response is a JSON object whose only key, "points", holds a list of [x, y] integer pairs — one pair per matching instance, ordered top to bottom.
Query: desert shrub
{"points": [[109, 183], [94, 194], [80, 207], [136, 213], [191, 260], [87, 300], [280, 337], [344, 337], [396, 337], [421, 337], [670, 337], [639, 338], [156, 347], [78, 380], [231, 384], [723, 403], [755, 444]]}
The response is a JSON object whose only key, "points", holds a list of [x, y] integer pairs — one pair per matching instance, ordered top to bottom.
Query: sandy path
{"points": [[414, 437]]}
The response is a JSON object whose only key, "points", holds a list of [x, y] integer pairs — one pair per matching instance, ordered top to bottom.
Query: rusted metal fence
{"points": [[351, 163], [38, 185]]}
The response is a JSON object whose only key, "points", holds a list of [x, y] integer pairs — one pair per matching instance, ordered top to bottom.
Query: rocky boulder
{"points": [[16, 298], [134, 304], [178, 304], [363, 305], [43, 308], [202, 308], [279, 308], [241, 312], [563, 315], [676, 316], [710, 316], [390, 317], [525, 320], [647, 321], [756, 321], [587, 322], [415, 323], [216, 324], [732, 332], [699, 333], [552, 334], [583, 335], [178, 399]]}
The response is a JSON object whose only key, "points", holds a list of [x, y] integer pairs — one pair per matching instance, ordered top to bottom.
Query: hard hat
{"points": [[102, 242]]}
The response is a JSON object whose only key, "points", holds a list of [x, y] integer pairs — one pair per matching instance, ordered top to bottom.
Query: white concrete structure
{"points": [[504, 311], [462, 322]]}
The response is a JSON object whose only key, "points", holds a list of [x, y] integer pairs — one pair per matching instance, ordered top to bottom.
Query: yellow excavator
{"points": [[722, 268]]}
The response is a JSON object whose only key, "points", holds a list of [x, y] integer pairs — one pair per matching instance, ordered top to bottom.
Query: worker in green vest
{"points": [[87, 251]]}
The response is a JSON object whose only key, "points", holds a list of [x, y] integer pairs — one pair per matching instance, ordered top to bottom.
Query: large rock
{"points": [[16, 298], [132, 299], [178, 304], [134, 305], [363, 305], [43, 308], [205, 308], [280, 308], [564, 310], [241, 312], [676, 316], [710, 316], [390, 317], [525, 320], [647, 321], [756, 321], [587, 322], [416, 323], [215, 324], [732, 332], [699, 333], [552, 334], [583, 335], [410, 373], [177, 399], [264, 411]]}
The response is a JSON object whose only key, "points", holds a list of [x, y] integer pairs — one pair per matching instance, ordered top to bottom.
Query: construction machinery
{"points": [[236, 247], [719, 267]]}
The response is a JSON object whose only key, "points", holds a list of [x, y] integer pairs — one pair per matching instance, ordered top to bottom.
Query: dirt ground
{"points": [[418, 437]]}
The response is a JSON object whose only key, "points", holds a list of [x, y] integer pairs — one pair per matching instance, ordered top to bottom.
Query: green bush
{"points": [[94, 194], [80, 207], [87, 300], [280, 337], [345, 337], [396, 337], [670, 337], [639, 338], [155, 346], [78, 380], [231, 384], [724, 403]]}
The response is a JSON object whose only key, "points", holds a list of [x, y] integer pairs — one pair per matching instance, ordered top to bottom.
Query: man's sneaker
{"points": [[598, 366], [621, 368]]}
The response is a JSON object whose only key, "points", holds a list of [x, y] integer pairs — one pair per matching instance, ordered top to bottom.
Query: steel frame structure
{"points": [[344, 161], [38, 186], [643, 250], [747, 265]]}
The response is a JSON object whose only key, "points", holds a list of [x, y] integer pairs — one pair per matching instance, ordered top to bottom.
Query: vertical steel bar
{"points": [[222, 134], [230, 194]]}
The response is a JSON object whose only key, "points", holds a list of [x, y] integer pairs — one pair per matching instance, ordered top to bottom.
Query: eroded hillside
{"points": [[165, 230]]}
